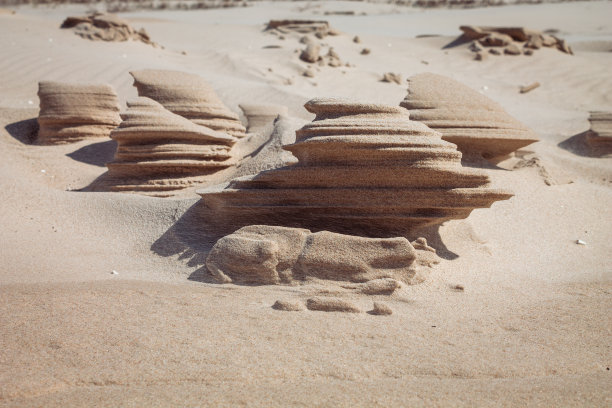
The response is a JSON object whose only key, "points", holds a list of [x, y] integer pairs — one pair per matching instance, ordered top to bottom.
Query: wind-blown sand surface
{"points": [[531, 327]]}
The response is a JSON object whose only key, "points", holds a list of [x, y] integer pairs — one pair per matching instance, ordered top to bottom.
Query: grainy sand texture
{"points": [[105, 295]]}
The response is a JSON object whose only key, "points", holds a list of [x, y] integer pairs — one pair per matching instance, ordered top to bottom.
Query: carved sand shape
{"points": [[188, 95], [70, 112], [261, 117], [475, 123], [159, 152], [363, 169]]}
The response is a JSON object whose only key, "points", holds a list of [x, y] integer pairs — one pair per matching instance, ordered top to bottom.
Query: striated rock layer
{"points": [[188, 95], [70, 112], [476, 124], [600, 134], [159, 152], [362, 168]]}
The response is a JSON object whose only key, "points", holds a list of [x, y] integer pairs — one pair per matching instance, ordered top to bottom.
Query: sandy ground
{"points": [[532, 326]]}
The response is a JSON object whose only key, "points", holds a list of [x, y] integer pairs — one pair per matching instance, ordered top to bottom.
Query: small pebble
{"points": [[580, 242], [380, 309]]}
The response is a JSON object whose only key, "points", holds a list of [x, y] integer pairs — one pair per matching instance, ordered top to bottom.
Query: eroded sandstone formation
{"points": [[105, 27], [188, 95], [71, 112], [261, 117], [465, 117], [600, 135], [159, 152], [364, 169], [262, 254]]}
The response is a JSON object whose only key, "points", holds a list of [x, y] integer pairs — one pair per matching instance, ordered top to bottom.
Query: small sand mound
{"points": [[105, 27], [513, 37], [188, 95], [70, 112], [261, 117], [476, 124], [600, 135], [159, 152], [363, 169], [261, 254], [325, 304], [288, 306], [381, 309]]}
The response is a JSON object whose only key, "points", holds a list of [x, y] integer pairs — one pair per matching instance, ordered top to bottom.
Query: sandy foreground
{"points": [[532, 326]]}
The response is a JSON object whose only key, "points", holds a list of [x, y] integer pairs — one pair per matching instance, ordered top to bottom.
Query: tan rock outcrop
{"points": [[105, 27], [319, 28], [188, 95], [71, 112], [261, 117], [475, 123], [600, 134], [159, 152], [363, 168], [261, 254]]}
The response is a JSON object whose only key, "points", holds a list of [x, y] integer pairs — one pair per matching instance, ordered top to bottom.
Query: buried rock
{"points": [[105, 27], [261, 254], [325, 304], [288, 305], [381, 309]]}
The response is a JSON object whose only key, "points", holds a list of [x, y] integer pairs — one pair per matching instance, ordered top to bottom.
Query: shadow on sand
{"points": [[24, 131], [579, 145], [97, 154]]}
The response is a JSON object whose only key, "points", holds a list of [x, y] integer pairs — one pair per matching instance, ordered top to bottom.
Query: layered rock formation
{"points": [[105, 27], [188, 95], [70, 112], [261, 117], [476, 124], [600, 134], [159, 152], [363, 168], [262, 254]]}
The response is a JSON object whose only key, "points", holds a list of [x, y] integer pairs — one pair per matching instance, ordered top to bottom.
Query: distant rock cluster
{"points": [[105, 27], [318, 28], [510, 40], [71, 112], [465, 117], [159, 152], [362, 168], [261, 254]]}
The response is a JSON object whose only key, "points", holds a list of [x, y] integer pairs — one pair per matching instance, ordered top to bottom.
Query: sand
{"points": [[531, 326]]}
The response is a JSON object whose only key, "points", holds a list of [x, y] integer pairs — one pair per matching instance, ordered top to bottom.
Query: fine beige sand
{"points": [[104, 296]]}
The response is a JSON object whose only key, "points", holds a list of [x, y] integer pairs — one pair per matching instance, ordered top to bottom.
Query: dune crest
{"points": [[188, 95], [72, 112], [475, 123], [159, 152], [363, 169], [262, 254]]}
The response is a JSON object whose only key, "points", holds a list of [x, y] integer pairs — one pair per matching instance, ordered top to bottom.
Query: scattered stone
{"points": [[105, 27], [307, 39], [356, 39], [496, 40], [548, 40], [534, 42], [562, 45], [475, 47], [512, 49], [365, 51], [494, 51], [528, 52], [310, 53], [480, 56], [333, 59], [309, 73], [392, 77], [530, 87], [189, 96], [71, 112], [465, 117], [159, 152], [349, 180], [580, 242], [383, 286], [458, 288], [325, 304], [288, 306], [381, 309]]}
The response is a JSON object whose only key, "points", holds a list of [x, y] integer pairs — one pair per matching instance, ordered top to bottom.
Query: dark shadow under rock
{"points": [[24, 131], [579, 145], [97, 154]]}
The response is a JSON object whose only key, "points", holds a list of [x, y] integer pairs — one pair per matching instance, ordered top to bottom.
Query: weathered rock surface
{"points": [[105, 27], [319, 28], [512, 37], [310, 53], [188, 95], [70, 112], [261, 117], [475, 123], [600, 134], [159, 152], [363, 169], [261, 254], [329, 304], [381, 309]]}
